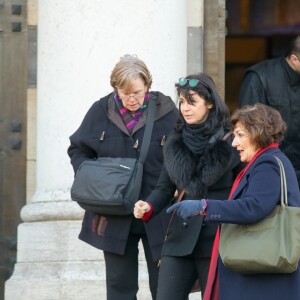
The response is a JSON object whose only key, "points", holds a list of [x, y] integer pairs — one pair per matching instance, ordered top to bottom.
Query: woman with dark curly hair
{"points": [[199, 161], [256, 191]]}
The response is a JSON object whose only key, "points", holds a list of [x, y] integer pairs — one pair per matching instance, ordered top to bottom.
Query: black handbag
{"points": [[111, 186]]}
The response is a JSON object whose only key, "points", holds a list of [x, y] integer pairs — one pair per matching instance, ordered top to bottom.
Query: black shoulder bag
{"points": [[111, 186]]}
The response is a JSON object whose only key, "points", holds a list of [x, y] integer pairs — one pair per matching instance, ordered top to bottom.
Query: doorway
{"points": [[256, 30], [13, 85]]}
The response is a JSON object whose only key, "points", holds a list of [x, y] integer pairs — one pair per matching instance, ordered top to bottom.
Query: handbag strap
{"points": [[148, 130], [227, 135], [283, 193], [180, 196], [174, 212], [171, 219]]}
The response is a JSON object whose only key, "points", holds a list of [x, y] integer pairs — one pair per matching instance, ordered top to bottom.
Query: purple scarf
{"points": [[129, 119]]}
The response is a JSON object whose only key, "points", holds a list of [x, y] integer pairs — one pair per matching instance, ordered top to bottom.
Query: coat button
{"points": [[185, 224]]}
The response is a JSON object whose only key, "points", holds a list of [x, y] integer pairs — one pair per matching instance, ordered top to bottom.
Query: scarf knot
{"points": [[130, 120]]}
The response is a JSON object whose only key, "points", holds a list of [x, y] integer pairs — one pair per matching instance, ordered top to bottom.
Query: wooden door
{"points": [[13, 85]]}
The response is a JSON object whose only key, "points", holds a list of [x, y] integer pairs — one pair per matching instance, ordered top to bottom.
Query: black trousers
{"points": [[122, 270], [177, 276]]}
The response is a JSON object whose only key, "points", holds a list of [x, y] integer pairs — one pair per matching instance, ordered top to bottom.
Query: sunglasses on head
{"points": [[192, 82]]}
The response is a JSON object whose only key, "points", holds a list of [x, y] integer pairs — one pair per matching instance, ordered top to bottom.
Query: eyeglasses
{"points": [[192, 82], [136, 96]]}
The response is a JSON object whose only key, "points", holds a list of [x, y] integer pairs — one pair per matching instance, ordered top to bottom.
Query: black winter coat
{"points": [[273, 82], [104, 134], [210, 175]]}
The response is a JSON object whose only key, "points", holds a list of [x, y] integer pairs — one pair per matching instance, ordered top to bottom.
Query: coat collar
{"points": [[163, 106], [196, 173], [244, 180]]}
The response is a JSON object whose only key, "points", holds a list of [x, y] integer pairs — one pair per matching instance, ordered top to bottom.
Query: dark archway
{"points": [[256, 30]]}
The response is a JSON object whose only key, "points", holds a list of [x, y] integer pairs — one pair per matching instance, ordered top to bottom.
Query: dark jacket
{"points": [[274, 83], [104, 134], [207, 175], [255, 197]]}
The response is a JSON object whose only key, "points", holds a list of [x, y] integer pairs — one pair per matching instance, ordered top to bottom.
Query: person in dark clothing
{"points": [[276, 83], [114, 127], [258, 129], [198, 157]]}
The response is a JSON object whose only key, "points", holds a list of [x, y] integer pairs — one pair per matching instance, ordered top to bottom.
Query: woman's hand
{"points": [[140, 208], [189, 208]]}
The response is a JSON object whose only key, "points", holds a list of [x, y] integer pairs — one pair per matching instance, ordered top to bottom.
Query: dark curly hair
{"points": [[264, 124]]}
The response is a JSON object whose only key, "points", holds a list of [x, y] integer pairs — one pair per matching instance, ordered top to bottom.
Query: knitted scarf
{"points": [[129, 119], [195, 137]]}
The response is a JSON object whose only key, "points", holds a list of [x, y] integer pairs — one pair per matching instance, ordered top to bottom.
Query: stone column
{"points": [[195, 9], [79, 42], [214, 42]]}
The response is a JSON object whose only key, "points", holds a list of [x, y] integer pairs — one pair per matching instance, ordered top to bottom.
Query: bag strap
{"points": [[148, 130], [227, 135], [180, 196], [284, 198], [174, 212]]}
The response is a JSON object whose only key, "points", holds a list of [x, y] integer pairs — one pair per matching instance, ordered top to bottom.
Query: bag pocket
{"points": [[102, 181]]}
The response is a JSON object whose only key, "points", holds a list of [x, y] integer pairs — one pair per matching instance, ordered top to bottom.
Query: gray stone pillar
{"points": [[195, 36], [79, 42]]}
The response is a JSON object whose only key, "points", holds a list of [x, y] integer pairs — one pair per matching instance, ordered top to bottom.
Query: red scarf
{"points": [[212, 286]]}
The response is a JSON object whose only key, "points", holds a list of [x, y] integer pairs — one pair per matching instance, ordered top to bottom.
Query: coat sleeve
{"points": [[252, 90], [78, 151], [163, 192], [260, 194]]}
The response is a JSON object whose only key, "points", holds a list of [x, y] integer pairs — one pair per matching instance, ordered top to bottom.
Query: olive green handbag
{"points": [[269, 246]]}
